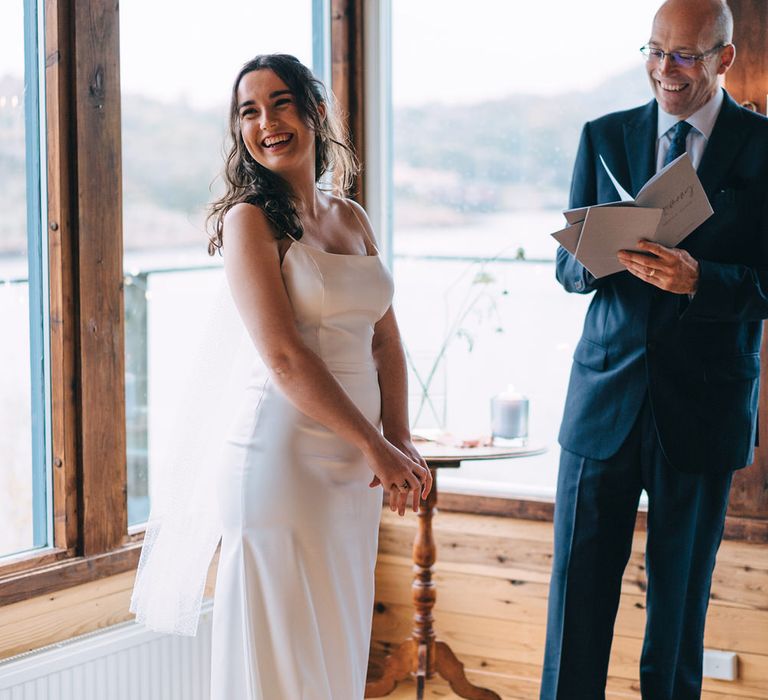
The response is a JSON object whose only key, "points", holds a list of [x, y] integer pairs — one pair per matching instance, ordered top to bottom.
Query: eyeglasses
{"points": [[683, 60]]}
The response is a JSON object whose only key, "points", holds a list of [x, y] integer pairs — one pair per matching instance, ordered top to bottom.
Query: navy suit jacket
{"points": [[697, 360]]}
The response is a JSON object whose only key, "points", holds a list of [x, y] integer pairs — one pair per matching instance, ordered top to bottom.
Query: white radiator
{"points": [[123, 662]]}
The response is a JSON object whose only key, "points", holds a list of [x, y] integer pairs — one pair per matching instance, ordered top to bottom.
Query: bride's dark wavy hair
{"points": [[247, 181]]}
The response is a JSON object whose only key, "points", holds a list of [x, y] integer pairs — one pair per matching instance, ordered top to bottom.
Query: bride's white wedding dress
{"points": [[294, 589]]}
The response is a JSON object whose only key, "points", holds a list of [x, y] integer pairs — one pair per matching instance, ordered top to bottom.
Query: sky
{"points": [[172, 49], [443, 52]]}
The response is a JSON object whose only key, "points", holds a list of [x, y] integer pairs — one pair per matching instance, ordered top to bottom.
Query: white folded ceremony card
{"points": [[668, 208]]}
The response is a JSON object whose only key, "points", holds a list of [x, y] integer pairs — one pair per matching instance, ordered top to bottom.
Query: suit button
{"points": [[579, 285]]}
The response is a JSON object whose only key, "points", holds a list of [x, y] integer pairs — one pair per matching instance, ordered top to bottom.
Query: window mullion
{"points": [[321, 39], [376, 149], [61, 159], [99, 246], [38, 288]]}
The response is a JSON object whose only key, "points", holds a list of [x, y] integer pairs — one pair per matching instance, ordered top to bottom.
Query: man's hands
{"points": [[670, 269]]}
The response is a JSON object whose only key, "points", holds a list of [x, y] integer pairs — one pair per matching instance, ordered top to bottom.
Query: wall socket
{"points": [[722, 665]]}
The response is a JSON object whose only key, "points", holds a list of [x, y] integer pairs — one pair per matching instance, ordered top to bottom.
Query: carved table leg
{"points": [[424, 594], [415, 656], [420, 656], [399, 665], [450, 668]]}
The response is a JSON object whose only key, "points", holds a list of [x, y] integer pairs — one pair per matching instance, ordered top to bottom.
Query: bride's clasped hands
{"points": [[402, 471]]}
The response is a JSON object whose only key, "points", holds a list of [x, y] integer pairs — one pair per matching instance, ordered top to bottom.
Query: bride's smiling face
{"points": [[273, 129]]}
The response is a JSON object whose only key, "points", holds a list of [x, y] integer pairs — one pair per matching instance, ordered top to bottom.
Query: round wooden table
{"points": [[422, 655]]}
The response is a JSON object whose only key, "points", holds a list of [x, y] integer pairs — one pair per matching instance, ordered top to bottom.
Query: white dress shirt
{"points": [[702, 121]]}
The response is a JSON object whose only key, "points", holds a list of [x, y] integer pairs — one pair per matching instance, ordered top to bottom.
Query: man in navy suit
{"points": [[664, 385]]}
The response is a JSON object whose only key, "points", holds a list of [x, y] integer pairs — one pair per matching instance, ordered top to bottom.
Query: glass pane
{"points": [[174, 122], [486, 122], [24, 501]]}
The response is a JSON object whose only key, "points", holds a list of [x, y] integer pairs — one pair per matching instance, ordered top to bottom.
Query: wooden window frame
{"points": [[84, 194]]}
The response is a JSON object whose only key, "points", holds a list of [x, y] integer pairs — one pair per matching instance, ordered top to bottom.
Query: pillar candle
{"points": [[509, 415]]}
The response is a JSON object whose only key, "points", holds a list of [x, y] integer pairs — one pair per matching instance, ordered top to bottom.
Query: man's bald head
{"points": [[713, 16], [701, 29]]}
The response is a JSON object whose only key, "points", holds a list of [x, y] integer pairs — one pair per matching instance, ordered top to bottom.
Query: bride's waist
{"points": [[350, 366], [349, 373]]}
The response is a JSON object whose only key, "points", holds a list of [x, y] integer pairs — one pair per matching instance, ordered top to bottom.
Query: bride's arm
{"points": [[252, 265], [389, 356]]}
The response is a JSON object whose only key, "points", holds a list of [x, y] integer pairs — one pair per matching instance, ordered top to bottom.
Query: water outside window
{"points": [[487, 107]]}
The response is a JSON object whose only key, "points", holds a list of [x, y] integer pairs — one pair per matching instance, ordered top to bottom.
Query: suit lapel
{"points": [[724, 143], [640, 146]]}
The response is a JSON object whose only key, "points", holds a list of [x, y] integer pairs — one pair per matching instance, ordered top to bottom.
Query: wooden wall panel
{"points": [[347, 73], [748, 81], [63, 331], [492, 585], [65, 613], [513, 682]]}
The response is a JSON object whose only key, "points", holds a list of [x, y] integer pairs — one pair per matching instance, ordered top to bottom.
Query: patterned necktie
{"points": [[677, 147]]}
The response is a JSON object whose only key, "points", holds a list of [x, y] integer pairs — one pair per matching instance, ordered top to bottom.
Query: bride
{"points": [[298, 497]]}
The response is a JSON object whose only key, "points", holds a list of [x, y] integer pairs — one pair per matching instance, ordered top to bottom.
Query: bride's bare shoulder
{"points": [[353, 215], [247, 221]]}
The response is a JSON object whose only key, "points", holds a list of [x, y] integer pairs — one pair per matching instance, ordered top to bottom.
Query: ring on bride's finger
{"points": [[405, 486]]}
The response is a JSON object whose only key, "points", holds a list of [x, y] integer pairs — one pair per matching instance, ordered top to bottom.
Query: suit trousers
{"points": [[595, 515]]}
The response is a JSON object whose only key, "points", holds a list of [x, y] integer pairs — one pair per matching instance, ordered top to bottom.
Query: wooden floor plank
{"points": [[740, 578], [519, 600]]}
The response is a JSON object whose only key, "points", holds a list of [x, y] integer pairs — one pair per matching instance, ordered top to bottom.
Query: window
{"points": [[486, 110], [174, 122], [25, 498]]}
